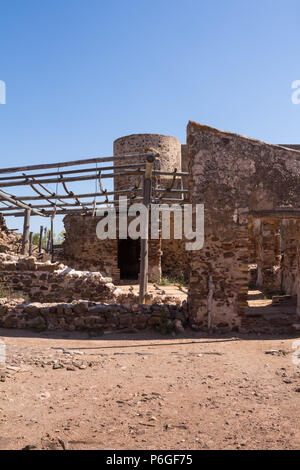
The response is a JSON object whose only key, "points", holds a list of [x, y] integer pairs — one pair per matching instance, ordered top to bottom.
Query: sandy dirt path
{"points": [[146, 391]]}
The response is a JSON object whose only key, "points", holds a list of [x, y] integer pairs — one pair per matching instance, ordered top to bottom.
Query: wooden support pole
{"points": [[84, 161], [52, 236], [41, 239], [48, 242], [30, 243], [25, 244], [144, 261]]}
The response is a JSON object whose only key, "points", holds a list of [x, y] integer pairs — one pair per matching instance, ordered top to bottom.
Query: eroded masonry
{"points": [[246, 275]]}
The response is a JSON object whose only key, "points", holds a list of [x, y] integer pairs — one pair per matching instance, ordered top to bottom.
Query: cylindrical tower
{"points": [[169, 149]]}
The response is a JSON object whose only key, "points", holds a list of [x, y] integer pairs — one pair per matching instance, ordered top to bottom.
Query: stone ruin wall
{"points": [[169, 149], [228, 174], [10, 242], [83, 250], [269, 256], [175, 258], [290, 263], [52, 282], [55, 297], [85, 316]]}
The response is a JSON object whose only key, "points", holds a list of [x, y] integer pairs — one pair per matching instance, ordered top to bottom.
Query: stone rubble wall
{"points": [[168, 147], [10, 242], [83, 250], [289, 265], [52, 282], [82, 316]]}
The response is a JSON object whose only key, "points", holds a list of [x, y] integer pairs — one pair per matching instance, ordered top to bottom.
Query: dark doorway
{"points": [[129, 258]]}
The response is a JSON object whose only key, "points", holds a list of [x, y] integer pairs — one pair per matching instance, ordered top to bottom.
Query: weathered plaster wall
{"points": [[231, 175]]}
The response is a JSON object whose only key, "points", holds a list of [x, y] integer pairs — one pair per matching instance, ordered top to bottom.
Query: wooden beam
{"points": [[84, 161], [73, 172], [31, 179], [67, 196], [18, 203], [26, 229], [41, 239], [30, 243], [144, 261]]}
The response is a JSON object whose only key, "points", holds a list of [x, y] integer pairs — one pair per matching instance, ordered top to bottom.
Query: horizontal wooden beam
{"points": [[84, 161], [72, 172], [31, 179], [79, 196], [19, 204]]}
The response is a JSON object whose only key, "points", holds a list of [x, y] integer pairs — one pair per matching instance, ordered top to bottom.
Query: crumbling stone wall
{"points": [[169, 149], [228, 174], [10, 242], [83, 249], [269, 256], [175, 263], [289, 264], [52, 282], [82, 316]]}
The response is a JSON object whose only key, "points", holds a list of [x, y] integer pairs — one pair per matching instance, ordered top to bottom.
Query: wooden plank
{"points": [[84, 161], [72, 172], [19, 203], [26, 229], [41, 239], [30, 243], [144, 261]]}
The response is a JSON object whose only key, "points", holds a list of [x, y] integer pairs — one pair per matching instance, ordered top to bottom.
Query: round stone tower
{"points": [[169, 149]]}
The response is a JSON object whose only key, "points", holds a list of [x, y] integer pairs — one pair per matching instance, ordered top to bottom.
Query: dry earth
{"points": [[144, 391]]}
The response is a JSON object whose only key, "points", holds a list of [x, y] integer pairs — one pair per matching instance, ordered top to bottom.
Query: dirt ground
{"points": [[155, 289], [146, 391]]}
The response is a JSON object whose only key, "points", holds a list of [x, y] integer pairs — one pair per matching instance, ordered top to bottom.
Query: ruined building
{"points": [[251, 196], [118, 258]]}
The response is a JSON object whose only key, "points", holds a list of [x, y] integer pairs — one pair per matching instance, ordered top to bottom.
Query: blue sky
{"points": [[80, 73]]}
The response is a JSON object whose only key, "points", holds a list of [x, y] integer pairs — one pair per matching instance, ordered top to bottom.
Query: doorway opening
{"points": [[129, 259]]}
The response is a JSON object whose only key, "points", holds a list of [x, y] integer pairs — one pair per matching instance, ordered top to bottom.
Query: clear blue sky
{"points": [[80, 73]]}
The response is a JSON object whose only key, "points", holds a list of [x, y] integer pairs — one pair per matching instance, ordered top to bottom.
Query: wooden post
{"points": [[26, 229], [45, 238], [52, 238], [41, 240], [48, 242], [30, 243], [144, 262]]}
